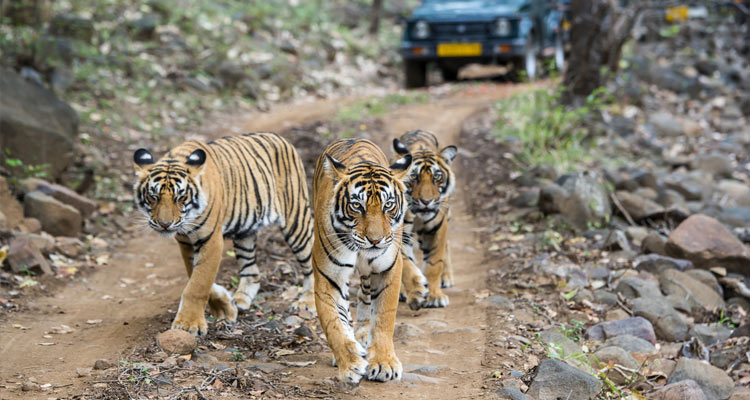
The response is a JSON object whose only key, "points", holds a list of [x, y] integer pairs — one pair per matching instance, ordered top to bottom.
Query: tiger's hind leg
{"points": [[301, 243], [433, 243], [446, 280], [413, 283], [248, 287]]}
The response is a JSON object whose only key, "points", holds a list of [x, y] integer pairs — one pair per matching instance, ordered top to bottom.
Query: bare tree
{"points": [[375, 14]]}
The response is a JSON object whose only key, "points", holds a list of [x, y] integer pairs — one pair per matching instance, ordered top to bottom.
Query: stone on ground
{"points": [[36, 127], [587, 201], [84, 205], [9, 206], [57, 218], [707, 243], [24, 256], [682, 285], [667, 322], [636, 326], [175, 341], [630, 343], [618, 356], [557, 380], [715, 383], [683, 390]]}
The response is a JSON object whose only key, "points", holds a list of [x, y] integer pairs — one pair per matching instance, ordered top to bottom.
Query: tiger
{"points": [[429, 187], [200, 193], [359, 204]]}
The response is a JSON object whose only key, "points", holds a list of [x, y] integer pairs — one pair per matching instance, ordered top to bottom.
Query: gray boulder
{"points": [[36, 127], [587, 201], [57, 218], [706, 242], [682, 285], [667, 322], [637, 326], [630, 343], [557, 380], [715, 383]]}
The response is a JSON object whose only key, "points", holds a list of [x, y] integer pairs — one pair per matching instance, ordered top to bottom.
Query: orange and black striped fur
{"points": [[429, 188], [201, 193], [360, 203]]}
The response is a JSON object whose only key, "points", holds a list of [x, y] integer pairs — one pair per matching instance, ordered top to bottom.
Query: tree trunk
{"points": [[377, 9], [599, 29]]}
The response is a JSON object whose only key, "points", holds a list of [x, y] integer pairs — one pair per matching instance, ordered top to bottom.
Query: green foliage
{"points": [[551, 132], [20, 171], [725, 320], [574, 331], [237, 356]]}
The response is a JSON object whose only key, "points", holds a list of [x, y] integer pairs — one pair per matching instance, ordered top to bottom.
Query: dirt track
{"points": [[132, 300]]}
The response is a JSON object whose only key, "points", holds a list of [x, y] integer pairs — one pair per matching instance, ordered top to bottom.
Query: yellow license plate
{"points": [[677, 13], [566, 25], [459, 49]]}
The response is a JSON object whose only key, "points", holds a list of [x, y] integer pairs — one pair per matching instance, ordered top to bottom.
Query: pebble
{"points": [[175, 341], [103, 364], [409, 377], [558, 380], [715, 383], [683, 390]]}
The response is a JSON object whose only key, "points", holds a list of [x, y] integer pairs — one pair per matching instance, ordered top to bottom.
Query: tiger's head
{"points": [[431, 180], [168, 192], [369, 203]]}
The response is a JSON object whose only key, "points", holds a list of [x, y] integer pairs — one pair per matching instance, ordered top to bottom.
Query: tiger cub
{"points": [[430, 185], [200, 193], [359, 205]]}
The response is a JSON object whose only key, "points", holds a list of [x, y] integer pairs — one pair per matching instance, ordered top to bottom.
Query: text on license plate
{"points": [[459, 49]]}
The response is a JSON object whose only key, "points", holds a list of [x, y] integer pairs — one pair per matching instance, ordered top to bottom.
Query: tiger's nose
{"points": [[425, 201], [165, 225], [375, 241]]}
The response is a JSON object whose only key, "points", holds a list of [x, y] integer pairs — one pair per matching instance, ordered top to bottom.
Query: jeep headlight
{"points": [[502, 27], [421, 30]]}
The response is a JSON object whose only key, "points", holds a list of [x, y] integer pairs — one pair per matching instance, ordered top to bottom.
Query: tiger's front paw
{"points": [[436, 299], [305, 302], [194, 323], [352, 365], [383, 366]]}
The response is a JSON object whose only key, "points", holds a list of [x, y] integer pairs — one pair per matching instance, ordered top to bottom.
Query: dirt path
{"points": [[127, 301]]}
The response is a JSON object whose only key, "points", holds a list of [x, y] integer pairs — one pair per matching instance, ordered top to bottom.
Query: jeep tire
{"points": [[415, 72]]}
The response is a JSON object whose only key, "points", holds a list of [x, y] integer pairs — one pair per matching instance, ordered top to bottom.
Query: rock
{"points": [[72, 26], [144, 28], [231, 73], [62, 79], [198, 84], [249, 89], [666, 125], [37, 127], [715, 164], [687, 187], [738, 191], [526, 198], [550, 198], [587, 202], [9, 206], [85, 206], [638, 207], [738, 217], [57, 218], [3, 222], [30, 225], [636, 234], [616, 240], [706, 242], [654, 243], [69, 247], [25, 257], [656, 264], [707, 278], [682, 285], [634, 287], [605, 297], [501, 302], [615, 314], [293, 321], [667, 322], [637, 326], [304, 331], [407, 331], [710, 334], [175, 341], [630, 343], [562, 347], [616, 355], [723, 358], [103, 364], [266, 367], [424, 369], [409, 377], [556, 380], [715, 383], [28, 386], [683, 390], [511, 393]]}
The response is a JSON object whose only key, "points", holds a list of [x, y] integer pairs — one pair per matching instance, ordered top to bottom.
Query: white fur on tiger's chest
{"points": [[384, 261]]}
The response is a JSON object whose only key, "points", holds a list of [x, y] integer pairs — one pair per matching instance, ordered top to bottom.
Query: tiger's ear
{"points": [[399, 147], [448, 153], [142, 158], [196, 158], [401, 167], [334, 168]]}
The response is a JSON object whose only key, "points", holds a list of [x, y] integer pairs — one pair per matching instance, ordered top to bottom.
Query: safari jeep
{"points": [[454, 33]]}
